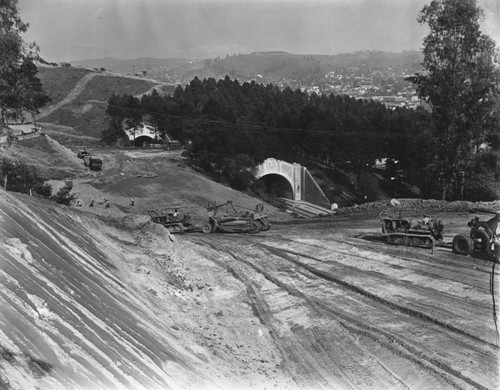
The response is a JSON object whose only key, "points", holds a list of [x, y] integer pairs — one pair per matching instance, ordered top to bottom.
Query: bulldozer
{"points": [[224, 218], [176, 219], [424, 233]]}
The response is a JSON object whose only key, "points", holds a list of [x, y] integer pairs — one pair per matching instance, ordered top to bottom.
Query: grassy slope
{"points": [[58, 81], [86, 114]]}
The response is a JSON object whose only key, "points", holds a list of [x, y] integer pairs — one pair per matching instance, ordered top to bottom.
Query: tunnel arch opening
{"points": [[143, 140], [274, 186]]}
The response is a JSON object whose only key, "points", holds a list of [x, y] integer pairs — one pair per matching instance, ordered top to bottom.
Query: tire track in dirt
{"points": [[441, 273], [327, 276], [384, 338], [413, 354], [298, 362]]}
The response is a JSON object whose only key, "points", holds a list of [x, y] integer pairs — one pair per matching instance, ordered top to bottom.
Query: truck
{"points": [[94, 163]]}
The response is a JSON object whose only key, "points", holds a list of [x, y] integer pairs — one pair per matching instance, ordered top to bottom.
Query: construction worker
{"points": [[132, 202], [92, 203], [176, 214], [187, 218], [494, 225]]}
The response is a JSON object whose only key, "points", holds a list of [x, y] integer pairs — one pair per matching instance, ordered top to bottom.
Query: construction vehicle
{"points": [[83, 153], [95, 164], [224, 218], [176, 219], [424, 233], [481, 238]]}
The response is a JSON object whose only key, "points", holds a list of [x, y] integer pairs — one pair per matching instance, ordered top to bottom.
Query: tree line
{"points": [[228, 123], [229, 126]]}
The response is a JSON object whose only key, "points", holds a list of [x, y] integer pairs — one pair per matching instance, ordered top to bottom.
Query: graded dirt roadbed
{"points": [[112, 301], [356, 314]]}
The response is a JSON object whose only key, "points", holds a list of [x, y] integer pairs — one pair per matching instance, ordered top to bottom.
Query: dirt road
{"points": [[352, 313]]}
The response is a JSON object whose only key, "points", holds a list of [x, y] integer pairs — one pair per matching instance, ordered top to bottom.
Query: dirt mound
{"points": [[421, 204]]}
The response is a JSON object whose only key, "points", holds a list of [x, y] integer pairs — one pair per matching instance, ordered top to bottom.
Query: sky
{"points": [[69, 30]]}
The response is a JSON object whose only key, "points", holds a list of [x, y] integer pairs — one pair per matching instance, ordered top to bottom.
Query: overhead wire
{"points": [[264, 127]]}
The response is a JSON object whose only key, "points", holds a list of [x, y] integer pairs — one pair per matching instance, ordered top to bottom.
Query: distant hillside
{"points": [[153, 66], [269, 67], [275, 67], [79, 96]]}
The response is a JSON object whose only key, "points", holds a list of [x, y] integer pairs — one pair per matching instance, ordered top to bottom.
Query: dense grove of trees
{"points": [[461, 85], [230, 126]]}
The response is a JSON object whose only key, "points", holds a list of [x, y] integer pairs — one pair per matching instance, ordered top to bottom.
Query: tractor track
{"points": [[419, 259], [328, 277], [398, 345]]}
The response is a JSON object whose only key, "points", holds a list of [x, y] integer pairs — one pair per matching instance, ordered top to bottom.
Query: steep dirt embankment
{"points": [[89, 303], [67, 318]]}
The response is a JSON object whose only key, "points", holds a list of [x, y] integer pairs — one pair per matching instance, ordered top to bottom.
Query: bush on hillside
{"points": [[17, 176], [64, 195]]}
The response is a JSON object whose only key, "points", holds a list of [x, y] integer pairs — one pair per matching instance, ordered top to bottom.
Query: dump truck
{"points": [[94, 163]]}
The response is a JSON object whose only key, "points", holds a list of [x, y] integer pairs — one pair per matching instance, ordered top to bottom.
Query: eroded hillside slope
{"points": [[90, 303]]}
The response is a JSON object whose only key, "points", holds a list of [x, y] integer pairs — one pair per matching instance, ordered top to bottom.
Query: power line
{"points": [[271, 128]]}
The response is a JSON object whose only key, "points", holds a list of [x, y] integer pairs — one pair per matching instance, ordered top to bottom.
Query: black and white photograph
{"points": [[249, 194]]}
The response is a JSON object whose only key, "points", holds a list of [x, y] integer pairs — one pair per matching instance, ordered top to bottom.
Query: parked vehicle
{"points": [[95, 164]]}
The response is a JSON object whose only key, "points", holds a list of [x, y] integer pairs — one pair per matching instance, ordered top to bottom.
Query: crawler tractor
{"points": [[225, 218], [175, 219], [402, 231]]}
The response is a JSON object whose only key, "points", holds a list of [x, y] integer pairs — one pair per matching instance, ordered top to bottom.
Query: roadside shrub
{"points": [[64, 195]]}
